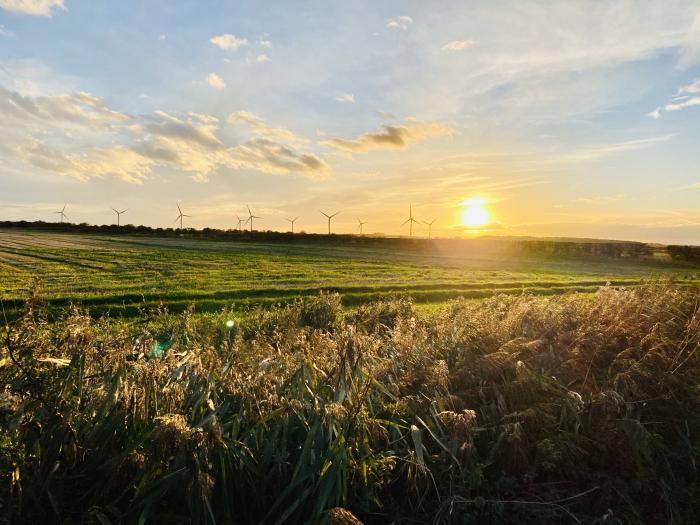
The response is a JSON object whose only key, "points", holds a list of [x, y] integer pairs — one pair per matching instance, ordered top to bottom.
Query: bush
{"points": [[509, 410]]}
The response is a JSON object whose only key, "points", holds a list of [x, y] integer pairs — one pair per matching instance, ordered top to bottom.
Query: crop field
{"points": [[119, 274], [362, 406]]}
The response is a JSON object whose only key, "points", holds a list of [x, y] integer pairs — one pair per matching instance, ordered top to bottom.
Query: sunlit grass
{"points": [[572, 409]]}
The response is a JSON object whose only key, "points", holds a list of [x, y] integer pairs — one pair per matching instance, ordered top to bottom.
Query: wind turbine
{"points": [[119, 214], [63, 215], [181, 215], [251, 217], [329, 217], [292, 221], [410, 221], [240, 222], [360, 224], [430, 227]]}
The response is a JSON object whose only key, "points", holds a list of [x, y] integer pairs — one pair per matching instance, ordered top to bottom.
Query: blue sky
{"points": [[566, 118]]}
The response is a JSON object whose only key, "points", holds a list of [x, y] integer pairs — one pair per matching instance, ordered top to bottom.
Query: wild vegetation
{"points": [[568, 409]]}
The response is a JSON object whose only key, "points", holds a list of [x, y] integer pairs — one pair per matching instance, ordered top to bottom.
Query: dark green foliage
{"points": [[684, 253], [509, 410]]}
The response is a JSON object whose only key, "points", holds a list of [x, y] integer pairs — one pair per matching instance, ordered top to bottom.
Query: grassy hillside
{"points": [[121, 273], [571, 409]]}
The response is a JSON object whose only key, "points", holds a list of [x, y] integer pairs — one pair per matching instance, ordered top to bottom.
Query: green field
{"points": [[120, 273]]}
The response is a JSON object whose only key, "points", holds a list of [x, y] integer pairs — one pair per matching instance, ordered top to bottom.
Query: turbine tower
{"points": [[62, 215], [119, 215], [180, 215], [251, 217], [329, 217], [292, 221], [410, 221], [240, 223], [360, 224], [430, 227]]}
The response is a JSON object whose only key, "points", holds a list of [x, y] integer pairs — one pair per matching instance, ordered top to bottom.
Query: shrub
{"points": [[508, 410]]}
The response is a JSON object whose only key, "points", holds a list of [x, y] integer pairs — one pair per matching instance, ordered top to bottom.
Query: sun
{"points": [[475, 213]]}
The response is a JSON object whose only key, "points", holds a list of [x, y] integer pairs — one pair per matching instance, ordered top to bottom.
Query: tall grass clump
{"points": [[570, 409]]}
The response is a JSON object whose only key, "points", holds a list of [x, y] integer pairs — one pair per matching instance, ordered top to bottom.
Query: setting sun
{"points": [[475, 214]]}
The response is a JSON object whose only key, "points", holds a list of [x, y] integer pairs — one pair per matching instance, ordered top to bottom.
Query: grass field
{"points": [[121, 273], [573, 408]]}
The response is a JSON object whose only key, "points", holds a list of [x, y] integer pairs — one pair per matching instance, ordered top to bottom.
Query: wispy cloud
{"points": [[32, 7], [399, 22], [5, 33], [229, 42], [265, 43], [458, 45], [690, 47], [259, 59], [215, 81], [693, 87], [346, 97], [682, 100], [693, 101], [78, 108], [656, 114], [263, 129], [390, 137], [603, 150], [601, 199]]}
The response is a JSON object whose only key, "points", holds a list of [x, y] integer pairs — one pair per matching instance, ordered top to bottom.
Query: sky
{"points": [[558, 118]]}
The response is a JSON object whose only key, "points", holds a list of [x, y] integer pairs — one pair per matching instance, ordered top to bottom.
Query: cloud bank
{"points": [[78, 135]]}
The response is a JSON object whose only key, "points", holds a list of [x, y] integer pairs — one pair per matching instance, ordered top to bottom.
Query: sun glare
{"points": [[475, 214]]}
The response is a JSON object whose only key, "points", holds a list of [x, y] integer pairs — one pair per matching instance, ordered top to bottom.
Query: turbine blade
{"points": [[404, 222]]}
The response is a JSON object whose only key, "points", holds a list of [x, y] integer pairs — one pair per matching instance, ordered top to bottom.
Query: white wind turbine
{"points": [[61, 213], [119, 215], [180, 215], [251, 217], [329, 217], [292, 221], [410, 221], [430, 227]]}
